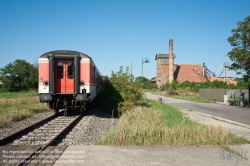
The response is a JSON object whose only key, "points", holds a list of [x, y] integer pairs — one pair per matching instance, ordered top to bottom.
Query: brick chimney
{"points": [[171, 62]]}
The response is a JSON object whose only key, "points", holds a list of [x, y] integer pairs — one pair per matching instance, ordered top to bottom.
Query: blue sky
{"points": [[120, 32]]}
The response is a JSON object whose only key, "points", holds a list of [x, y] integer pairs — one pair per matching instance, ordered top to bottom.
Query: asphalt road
{"points": [[238, 114]]}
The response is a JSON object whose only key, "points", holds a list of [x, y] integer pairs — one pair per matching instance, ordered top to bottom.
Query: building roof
{"points": [[162, 56], [185, 72], [153, 79]]}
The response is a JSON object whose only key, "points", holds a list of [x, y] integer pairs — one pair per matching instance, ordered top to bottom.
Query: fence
{"points": [[211, 94], [228, 96]]}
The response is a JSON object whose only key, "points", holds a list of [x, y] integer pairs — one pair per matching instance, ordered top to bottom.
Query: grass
{"points": [[185, 94], [11, 95], [192, 98], [18, 106], [161, 124]]}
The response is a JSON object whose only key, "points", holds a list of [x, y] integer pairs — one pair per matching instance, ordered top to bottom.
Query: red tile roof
{"points": [[185, 72]]}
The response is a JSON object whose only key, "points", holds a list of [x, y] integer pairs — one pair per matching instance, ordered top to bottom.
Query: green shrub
{"points": [[218, 84], [149, 85], [173, 85], [242, 85], [119, 93]]}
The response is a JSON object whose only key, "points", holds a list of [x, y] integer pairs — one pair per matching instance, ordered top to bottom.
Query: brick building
{"points": [[167, 71]]}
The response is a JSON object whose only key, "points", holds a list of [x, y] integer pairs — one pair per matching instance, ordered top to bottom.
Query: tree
{"points": [[240, 53], [18, 76], [141, 79]]}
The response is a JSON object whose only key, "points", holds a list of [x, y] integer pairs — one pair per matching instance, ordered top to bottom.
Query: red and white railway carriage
{"points": [[67, 79]]}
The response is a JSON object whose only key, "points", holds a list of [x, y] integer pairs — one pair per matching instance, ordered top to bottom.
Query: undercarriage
{"points": [[65, 101]]}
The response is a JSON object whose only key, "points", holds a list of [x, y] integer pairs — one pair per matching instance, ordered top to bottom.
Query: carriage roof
{"points": [[65, 53]]}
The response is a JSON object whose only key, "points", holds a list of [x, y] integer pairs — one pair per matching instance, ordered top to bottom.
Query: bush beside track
{"points": [[119, 93]]}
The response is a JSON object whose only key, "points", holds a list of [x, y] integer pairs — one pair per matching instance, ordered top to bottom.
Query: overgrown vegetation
{"points": [[146, 83], [196, 86], [119, 93], [18, 106], [160, 124]]}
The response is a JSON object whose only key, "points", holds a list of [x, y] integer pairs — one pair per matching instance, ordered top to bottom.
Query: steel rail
{"points": [[11, 137], [43, 147]]}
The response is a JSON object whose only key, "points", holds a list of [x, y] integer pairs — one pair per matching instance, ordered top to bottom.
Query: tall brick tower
{"points": [[171, 62]]}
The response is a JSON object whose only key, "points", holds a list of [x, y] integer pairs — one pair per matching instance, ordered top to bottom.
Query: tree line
{"points": [[19, 76]]}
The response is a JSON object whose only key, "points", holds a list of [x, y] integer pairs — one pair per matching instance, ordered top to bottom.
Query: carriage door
{"points": [[64, 76]]}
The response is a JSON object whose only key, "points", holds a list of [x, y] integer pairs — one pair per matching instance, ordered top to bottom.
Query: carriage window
{"points": [[59, 70], [70, 70]]}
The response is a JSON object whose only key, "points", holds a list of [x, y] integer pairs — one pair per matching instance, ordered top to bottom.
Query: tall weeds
{"points": [[13, 110], [162, 124]]}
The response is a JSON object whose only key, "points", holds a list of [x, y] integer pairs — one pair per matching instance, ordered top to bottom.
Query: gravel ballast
{"points": [[92, 125], [14, 127]]}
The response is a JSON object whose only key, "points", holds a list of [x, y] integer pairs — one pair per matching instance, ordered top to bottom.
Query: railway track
{"points": [[30, 145]]}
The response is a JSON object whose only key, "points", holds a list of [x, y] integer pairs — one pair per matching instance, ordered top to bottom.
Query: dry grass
{"points": [[184, 94], [16, 109], [164, 125]]}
